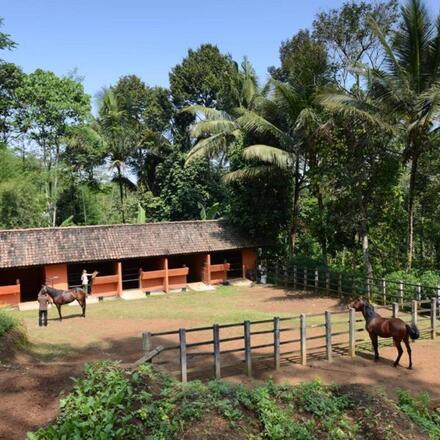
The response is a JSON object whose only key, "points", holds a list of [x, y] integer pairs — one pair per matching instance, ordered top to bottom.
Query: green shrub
{"points": [[7, 322], [420, 410]]}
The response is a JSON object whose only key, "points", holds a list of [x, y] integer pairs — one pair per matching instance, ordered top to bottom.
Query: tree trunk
{"points": [[121, 193], [295, 210], [410, 226], [363, 233]]}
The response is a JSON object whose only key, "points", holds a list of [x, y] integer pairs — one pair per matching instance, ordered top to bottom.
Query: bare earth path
{"points": [[32, 384]]}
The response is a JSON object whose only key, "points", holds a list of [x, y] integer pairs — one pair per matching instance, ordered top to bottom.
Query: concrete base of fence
{"points": [[240, 282], [200, 287], [132, 294]]}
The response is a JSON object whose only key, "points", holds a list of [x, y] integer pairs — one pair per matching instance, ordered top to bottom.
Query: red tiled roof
{"points": [[30, 247]]}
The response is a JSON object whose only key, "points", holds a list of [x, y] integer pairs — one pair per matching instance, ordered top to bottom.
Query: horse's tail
{"points": [[413, 331]]}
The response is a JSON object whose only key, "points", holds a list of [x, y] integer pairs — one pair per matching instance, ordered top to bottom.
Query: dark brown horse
{"points": [[60, 297], [386, 328]]}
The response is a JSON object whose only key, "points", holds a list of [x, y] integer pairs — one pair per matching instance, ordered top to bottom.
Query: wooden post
{"points": [[208, 269], [243, 269], [225, 272], [119, 273], [294, 276], [140, 279], [305, 279], [316, 279], [327, 281], [167, 282], [340, 284], [384, 291], [418, 292], [401, 293], [438, 300], [395, 310], [414, 312], [433, 318], [352, 332], [328, 335], [216, 338], [303, 339], [146, 342], [276, 342], [247, 347], [183, 359]]}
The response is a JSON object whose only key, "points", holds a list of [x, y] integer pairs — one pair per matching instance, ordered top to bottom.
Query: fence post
{"points": [[294, 276], [305, 279], [316, 279], [327, 281], [340, 284], [384, 291], [419, 292], [401, 293], [438, 301], [395, 310], [414, 311], [433, 318], [352, 332], [328, 335], [216, 339], [303, 339], [146, 342], [276, 342], [247, 347], [183, 360]]}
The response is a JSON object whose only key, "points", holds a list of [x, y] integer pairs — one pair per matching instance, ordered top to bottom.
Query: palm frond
{"points": [[207, 112], [254, 123], [211, 127], [210, 146], [268, 154], [251, 173]]}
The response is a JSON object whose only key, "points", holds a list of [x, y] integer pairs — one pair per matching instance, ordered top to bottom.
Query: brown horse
{"points": [[60, 297], [386, 328]]}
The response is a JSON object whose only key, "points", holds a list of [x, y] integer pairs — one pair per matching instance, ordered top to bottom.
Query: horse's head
{"points": [[43, 290], [357, 304]]}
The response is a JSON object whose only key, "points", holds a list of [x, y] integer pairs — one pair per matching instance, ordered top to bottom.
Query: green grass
{"points": [[224, 305]]}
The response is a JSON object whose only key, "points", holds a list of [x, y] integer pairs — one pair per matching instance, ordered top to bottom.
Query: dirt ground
{"points": [[30, 388]]}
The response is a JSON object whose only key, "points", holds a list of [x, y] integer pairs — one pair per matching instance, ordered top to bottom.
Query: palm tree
{"points": [[408, 91], [282, 121], [118, 147]]}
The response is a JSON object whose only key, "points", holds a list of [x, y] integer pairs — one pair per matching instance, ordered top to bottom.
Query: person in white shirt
{"points": [[85, 281]]}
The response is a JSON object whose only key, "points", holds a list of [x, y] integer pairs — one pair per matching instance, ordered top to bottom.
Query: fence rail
{"points": [[378, 290], [286, 336]]}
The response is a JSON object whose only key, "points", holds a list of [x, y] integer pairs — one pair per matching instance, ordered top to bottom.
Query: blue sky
{"points": [[105, 39]]}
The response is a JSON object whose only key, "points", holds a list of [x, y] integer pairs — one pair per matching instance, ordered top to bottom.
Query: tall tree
{"points": [[202, 78], [407, 91], [49, 105]]}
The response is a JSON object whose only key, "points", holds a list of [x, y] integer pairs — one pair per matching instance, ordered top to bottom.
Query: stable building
{"points": [[149, 257]]}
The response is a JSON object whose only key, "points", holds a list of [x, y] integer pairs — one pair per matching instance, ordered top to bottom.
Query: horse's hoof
{"points": [[395, 365], [410, 367]]}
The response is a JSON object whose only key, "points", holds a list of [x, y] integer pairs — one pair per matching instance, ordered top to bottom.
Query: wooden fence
{"points": [[377, 290], [294, 339]]}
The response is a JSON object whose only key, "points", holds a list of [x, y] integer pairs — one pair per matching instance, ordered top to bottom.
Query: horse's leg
{"points": [[83, 306], [59, 311], [373, 338], [397, 343], [408, 349]]}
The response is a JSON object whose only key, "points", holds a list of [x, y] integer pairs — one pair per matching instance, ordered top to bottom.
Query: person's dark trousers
{"points": [[42, 318]]}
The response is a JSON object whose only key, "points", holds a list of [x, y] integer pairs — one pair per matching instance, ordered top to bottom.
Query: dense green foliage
{"points": [[336, 158], [12, 334], [113, 403], [422, 411]]}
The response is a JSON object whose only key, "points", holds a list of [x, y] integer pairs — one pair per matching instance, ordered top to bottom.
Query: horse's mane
{"points": [[54, 292], [369, 312]]}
